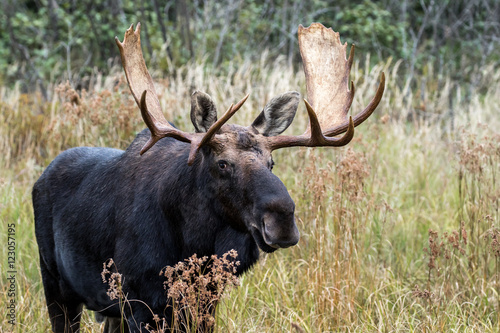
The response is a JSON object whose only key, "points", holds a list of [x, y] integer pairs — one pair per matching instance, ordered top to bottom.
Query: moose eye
{"points": [[222, 165]]}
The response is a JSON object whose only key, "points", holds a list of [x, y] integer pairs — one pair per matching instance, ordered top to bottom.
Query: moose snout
{"points": [[274, 213], [279, 229]]}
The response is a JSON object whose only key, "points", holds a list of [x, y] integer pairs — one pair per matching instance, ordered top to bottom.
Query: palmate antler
{"points": [[327, 78], [142, 88]]}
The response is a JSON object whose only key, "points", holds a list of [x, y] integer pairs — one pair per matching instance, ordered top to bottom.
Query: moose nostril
{"points": [[279, 230]]}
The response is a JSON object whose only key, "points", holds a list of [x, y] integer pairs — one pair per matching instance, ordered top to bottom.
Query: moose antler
{"points": [[327, 76], [142, 88]]}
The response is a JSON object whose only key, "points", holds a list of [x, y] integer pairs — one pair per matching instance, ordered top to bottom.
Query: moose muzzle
{"points": [[274, 219], [279, 230]]}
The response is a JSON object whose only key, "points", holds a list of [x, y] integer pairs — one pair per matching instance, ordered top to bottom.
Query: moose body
{"points": [[201, 193], [92, 204]]}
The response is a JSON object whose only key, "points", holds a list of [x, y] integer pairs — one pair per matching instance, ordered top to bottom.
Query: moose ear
{"points": [[203, 111], [277, 115]]}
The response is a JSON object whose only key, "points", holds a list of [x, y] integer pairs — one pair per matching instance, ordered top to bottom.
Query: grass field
{"points": [[400, 231]]}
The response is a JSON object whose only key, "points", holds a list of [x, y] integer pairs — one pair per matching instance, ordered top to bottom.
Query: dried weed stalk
{"points": [[93, 111], [352, 171], [478, 189], [333, 206], [494, 235], [450, 247], [114, 281], [195, 285], [423, 294]]}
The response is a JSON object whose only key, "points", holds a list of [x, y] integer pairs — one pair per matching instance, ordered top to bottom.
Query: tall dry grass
{"points": [[399, 232]]}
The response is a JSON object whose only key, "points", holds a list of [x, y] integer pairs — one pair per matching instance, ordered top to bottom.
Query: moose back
{"points": [[172, 194]]}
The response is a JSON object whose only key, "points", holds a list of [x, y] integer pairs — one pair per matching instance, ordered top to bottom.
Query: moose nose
{"points": [[276, 210], [279, 229]]}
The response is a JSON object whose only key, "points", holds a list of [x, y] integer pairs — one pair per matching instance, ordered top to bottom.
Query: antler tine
{"points": [[140, 82], [363, 115], [218, 124], [159, 130], [317, 136], [314, 137]]}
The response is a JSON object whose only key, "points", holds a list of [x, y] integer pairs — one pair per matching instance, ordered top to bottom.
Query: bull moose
{"points": [[172, 194]]}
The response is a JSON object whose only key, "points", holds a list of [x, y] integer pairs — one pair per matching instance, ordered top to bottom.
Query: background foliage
{"points": [[53, 40]]}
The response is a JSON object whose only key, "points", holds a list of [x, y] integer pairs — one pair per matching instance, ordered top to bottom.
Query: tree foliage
{"points": [[45, 41]]}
